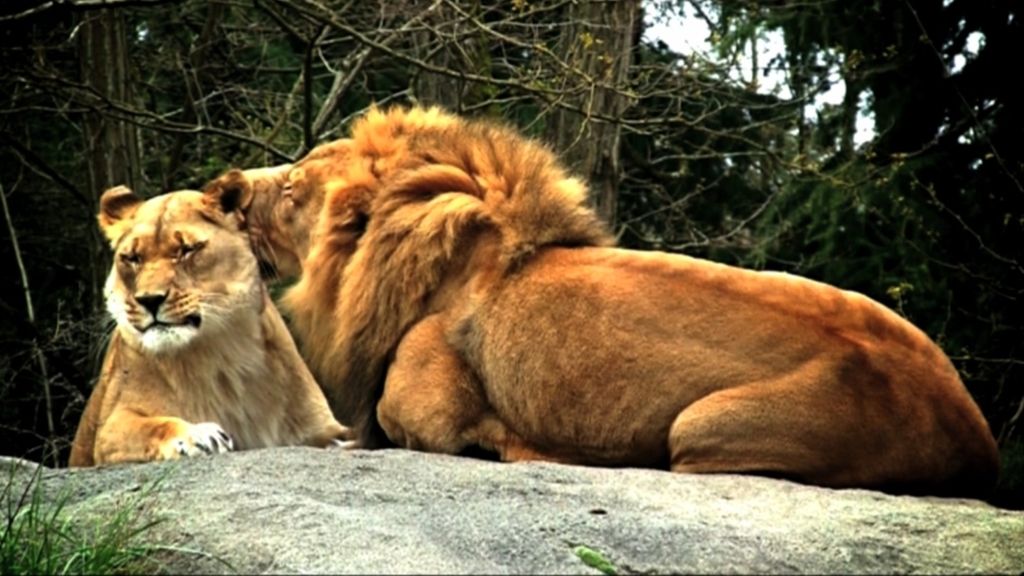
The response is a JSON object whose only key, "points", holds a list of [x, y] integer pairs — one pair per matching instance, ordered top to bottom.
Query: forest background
{"points": [[875, 146]]}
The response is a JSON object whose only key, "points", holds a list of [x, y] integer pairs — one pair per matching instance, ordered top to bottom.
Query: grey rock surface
{"points": [[303, 510]]}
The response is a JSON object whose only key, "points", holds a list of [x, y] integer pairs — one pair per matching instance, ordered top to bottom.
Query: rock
{"points": [[303, 510]]}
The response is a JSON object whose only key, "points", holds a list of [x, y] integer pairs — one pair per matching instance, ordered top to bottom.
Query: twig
{"points": [[82, 4], [348, 70], [963, 100], [32, 160], [37, 352]]}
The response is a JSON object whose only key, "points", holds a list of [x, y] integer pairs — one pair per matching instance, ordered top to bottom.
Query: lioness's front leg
{"points": [[433, 402], [127, 436]]}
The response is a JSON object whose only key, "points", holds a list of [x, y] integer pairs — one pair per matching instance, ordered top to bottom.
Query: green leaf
{"points": [[594, 559]]}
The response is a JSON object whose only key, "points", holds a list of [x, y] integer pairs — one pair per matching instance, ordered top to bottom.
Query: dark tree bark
{"points": [[598, 42], [433, 45], [111, 145]]}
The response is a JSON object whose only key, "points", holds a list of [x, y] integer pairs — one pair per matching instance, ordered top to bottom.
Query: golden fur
{"points": [[456, 291], [200, 360]]}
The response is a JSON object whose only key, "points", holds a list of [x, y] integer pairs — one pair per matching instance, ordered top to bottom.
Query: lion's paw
{"points": [[337, 436], [197, 440], [343, 444]]}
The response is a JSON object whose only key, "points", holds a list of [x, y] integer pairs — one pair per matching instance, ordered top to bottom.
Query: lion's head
{"points": [[278, 246], [182, 266]]}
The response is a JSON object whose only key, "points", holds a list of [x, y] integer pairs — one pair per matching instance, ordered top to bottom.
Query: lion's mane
{"points": [[426, 184]]}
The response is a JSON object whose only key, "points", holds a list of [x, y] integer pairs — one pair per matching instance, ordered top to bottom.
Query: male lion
{"points": [[456, 291], [200, 361]]}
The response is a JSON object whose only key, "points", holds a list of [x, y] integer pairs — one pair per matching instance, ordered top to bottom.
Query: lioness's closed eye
{"points": [[200, 360]]}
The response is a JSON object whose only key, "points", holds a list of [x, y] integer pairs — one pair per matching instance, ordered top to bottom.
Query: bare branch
{"points": [[82, 5], [351, 66], [88, 97], [39, 166], [30, 311]]}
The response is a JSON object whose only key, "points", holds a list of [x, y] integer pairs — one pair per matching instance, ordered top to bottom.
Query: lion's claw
{"points": [[202, 438]]}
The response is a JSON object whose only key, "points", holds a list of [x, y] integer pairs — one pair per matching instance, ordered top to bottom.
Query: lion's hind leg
{"points": [[433, 402], [778, 428]]}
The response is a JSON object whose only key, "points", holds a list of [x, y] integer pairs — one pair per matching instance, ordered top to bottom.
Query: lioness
{"points": [[457, 291], [200, 360]]}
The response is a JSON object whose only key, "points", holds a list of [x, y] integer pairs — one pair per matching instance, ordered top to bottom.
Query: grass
{"points": [[41, 536]]}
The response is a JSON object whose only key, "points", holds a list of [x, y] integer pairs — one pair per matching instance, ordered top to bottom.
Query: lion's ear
{"points": [[229, 194], [117, 206]]}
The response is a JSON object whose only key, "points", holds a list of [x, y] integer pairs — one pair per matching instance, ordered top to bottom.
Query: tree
{"points": [[597, 47]]}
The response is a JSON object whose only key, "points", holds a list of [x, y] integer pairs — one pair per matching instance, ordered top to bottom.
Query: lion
{"points": [[457, 292], [200, 361]]}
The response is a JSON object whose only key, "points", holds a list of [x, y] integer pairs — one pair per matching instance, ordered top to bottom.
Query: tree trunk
{"points": [[597, 42], [431, 45], [197, 83], [111, 145]]}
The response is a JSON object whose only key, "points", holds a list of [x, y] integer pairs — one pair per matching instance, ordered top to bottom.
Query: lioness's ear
{"points": [[231, 193], [117, 206]]}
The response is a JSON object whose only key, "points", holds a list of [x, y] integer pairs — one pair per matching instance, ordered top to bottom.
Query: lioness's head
{"points": [[182, 267]]}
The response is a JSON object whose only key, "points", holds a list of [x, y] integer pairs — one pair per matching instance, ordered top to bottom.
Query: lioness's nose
{"points": [[151, 301]]}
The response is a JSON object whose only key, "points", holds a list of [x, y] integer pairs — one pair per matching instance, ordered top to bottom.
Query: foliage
{"points": [[1011, 476], [594, 559]]}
